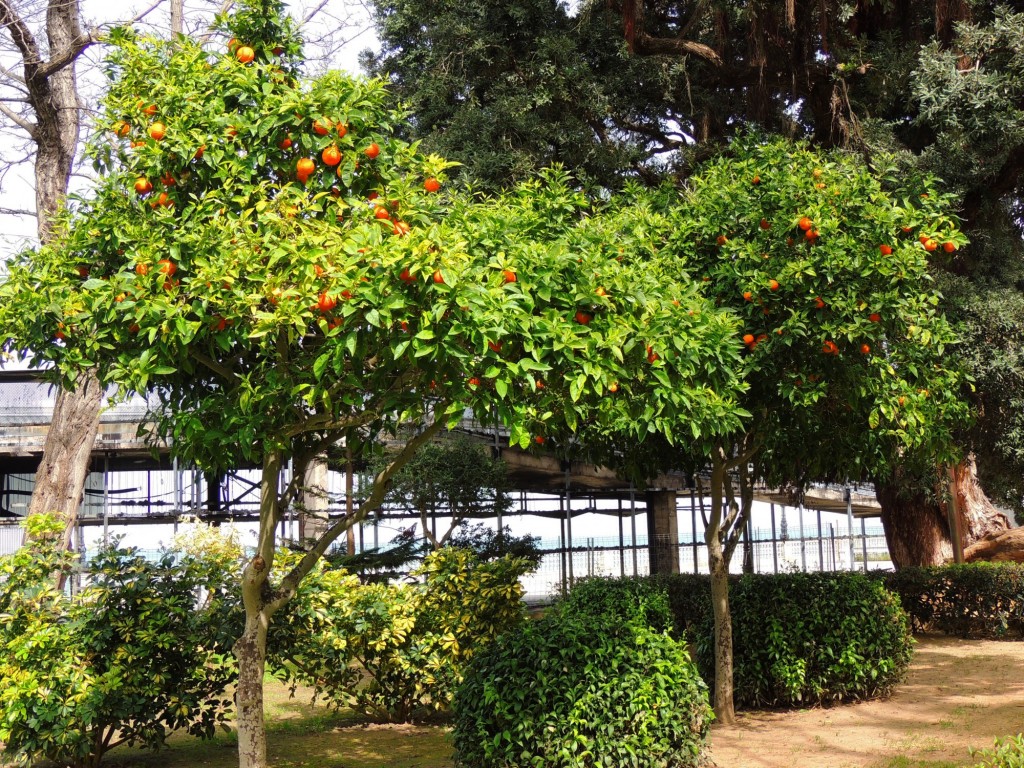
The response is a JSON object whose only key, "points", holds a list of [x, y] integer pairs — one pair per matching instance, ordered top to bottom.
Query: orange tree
{"points": [[264, 255], [824, 260]]}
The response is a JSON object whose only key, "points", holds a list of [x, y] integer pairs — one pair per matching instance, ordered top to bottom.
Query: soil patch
{"points": [[960, 694]]}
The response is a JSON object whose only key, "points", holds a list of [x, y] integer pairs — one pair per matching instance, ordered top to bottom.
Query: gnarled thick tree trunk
{"points": [[917, 527]]}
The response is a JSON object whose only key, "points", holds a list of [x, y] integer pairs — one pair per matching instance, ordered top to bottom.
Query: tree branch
{"points": [[20, 33], [70, 53], [14, 117], [216, 366], [380, 485]]}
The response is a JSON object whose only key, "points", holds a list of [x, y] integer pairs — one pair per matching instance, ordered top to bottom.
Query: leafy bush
{"points": [[637, 598], [970, 600], [798, 638], [393, 651], [126, 661], [573, 690], [1007, 753]]}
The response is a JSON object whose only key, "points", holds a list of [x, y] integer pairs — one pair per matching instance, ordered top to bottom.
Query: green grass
{"points": [[304, 735]]}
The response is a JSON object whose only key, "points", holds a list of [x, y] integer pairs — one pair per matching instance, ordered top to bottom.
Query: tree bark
{"points": [[60, 478], [917, 527], [916, 530], [1003, 547], [251, 651], [725, 708]]}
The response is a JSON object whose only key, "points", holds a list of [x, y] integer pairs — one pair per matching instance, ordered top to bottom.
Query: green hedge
{"points": [[978, 600], [798, 638], [576, 691]]}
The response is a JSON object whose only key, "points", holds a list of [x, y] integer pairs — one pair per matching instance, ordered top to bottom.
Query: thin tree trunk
{"points": [[251, 648], [251, 651], [725, 710]]}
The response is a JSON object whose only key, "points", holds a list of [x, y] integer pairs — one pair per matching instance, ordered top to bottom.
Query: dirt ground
{"points": [[960, 694]]}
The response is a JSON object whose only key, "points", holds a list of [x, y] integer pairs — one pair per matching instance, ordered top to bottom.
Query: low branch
{"points": [[20, 34], [667, 46], [65, 57], [18, 120], [16, 212], [216, 366], [380, 485]]}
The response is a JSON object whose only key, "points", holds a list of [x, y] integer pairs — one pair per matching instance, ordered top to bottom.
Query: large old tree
{"points": [[649, 88]]}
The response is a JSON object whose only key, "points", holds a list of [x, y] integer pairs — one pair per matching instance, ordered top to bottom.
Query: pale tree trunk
{"points": [[52, 94], [917, 527], [251, 648], [722, 696]]}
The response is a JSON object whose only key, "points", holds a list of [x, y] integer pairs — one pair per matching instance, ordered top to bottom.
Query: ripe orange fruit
{"points": [[233, 43], [245, 54], [148, 111], [321, 126], [122, 129], [342, 130], [157, 131], [285, 143], [372, 151], [199, 152], [331, 156], [304, 167], [816, 173], [168, 180], [756, 180], [143, 185], [431, 185], [380, 212], [765, 224], [805, 224], [400, 228], [811, 235], [722, 240], [930, 245], [948, 246], [885, 250], [166, 267], [142, 269], [508, 275], [406, 276], [438, 277], [773, 285], [601, 291], [748, 296], [326, 303], [818, 303], [874, 317], [583, 318], [748, 338], [495, 346], [830, 348], [864, 349], [652, 356], [474, 381], [539, 384], [539, 439]]}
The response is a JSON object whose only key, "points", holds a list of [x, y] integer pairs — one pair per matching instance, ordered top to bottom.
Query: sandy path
{"points": [[959, 694]]}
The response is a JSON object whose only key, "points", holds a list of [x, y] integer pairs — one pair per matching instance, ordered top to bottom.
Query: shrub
{"points": [[624, 599], [980, 600], [809, 638], [798, 639], [393, 651], [126, 661], [569, 691], [1007, 753]]}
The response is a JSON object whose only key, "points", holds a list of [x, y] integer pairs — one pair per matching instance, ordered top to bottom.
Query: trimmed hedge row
{"points": [[974, 600], [799, 638]]}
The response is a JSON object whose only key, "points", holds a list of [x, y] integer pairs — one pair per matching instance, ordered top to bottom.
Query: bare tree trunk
{"points": [[60, 479], [917, 527], [251, 652], [725, 708]]}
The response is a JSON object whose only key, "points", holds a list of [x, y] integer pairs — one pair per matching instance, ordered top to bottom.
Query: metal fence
{"points": [[827, 549]]}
